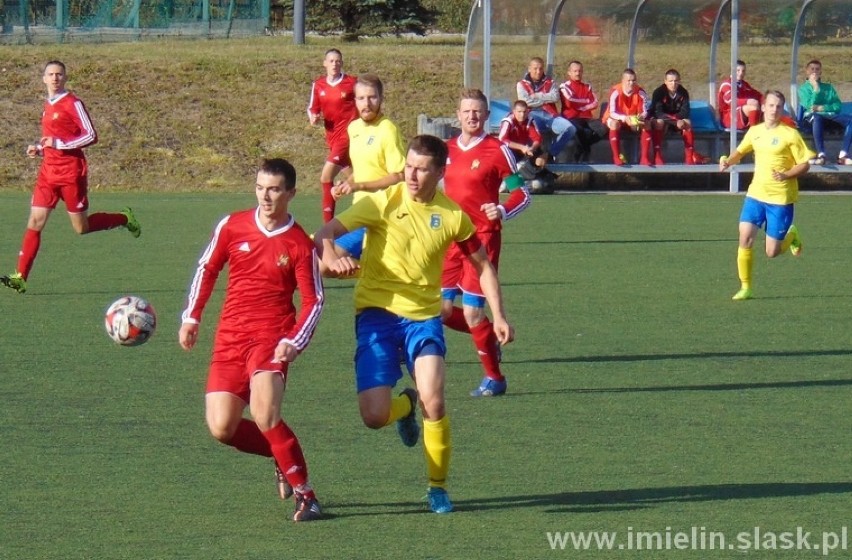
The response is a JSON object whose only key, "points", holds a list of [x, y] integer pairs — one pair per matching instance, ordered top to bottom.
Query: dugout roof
{"points": [[503, 35]]}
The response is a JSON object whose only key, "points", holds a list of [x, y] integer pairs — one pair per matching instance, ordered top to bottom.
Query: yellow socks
{"points": [[745, 263], [400, 408], [437, 447]]}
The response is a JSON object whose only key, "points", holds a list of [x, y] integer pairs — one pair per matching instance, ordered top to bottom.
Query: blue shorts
{"points": [[776, 218], [352, 242], [471, 300], [384, 338]]}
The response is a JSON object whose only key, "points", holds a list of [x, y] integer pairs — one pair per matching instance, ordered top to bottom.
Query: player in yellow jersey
{"points": [[376, 151], [780, 156], [409, 226]]}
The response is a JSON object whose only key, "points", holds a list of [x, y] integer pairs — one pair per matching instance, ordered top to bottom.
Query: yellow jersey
{"points": [[777, 148], [375, 150], [404, 251]]}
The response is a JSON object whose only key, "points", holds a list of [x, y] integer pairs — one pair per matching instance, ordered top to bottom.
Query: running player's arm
{"points": [[314, 108], [87, 137], [348, 187], [518, 200], [472, 248], [210, 264], [311, 296]]}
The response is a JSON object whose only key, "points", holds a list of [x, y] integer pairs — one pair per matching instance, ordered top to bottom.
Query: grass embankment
{"points": [[197, 115]]}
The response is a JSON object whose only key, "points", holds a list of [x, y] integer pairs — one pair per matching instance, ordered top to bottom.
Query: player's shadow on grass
{"points": [[618, 241], [693, 356], [705, 387], [642, 498], [607, 500]]}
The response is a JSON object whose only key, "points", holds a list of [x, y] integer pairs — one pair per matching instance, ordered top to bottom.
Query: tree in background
{"points": [[356, 18]]}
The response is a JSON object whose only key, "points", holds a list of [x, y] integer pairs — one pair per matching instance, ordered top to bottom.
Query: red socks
{"points": [[645, 144], [614, 145], [327, 202], [102, 221], [29, 250], [456, 321], [487, 348], [249, 439], [288, 454]]}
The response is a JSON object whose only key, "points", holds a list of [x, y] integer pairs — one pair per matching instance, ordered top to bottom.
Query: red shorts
{"points": [[742, 121], [338, 153], [73, 189], [458, 270], [237, 356]]}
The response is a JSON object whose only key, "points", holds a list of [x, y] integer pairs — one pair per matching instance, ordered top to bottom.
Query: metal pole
{"points": [[60, 15], [299, 22], [634, 35], [714, 44], [486, 48], [794, 59], [734, 179]]}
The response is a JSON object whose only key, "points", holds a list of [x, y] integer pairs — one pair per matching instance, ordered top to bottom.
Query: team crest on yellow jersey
{"points": [[474, 164], [435, 221], [283, 260]]}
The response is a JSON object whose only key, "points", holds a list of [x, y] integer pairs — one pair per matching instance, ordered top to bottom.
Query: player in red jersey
{"points": [[333, 101], [749, 101], [578, 102], [628, 110], [66, 129], [521, 134], [476, 166], [269, 257]]}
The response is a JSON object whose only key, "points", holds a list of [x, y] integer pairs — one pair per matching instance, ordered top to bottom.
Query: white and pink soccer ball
{"points": [[130, 321]]}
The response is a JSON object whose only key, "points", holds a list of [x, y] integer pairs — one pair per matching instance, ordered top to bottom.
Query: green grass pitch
{"points": [[641, 398]]}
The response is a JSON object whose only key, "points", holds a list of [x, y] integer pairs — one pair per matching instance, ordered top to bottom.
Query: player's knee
{"points": [[473, 316], [434, 408], [374, 419], [221, 432]]}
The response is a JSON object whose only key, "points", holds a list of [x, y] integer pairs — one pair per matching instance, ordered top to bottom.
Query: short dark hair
{"points": [[335, 51], [814, 61], [56, 63], [740, 63], [630, 71], [673, 72], [373, 81], [520, 103], [431, 146], [280, 167]]}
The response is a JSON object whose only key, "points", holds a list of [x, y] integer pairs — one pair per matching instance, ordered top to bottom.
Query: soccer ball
{"points": [[130, 321]]}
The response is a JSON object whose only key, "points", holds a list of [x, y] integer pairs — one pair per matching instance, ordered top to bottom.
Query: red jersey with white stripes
{"points": [[745, 91], [334, 99], [578, 99], [66, 120], [520, 132], [473, 176], [265, 268]]}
